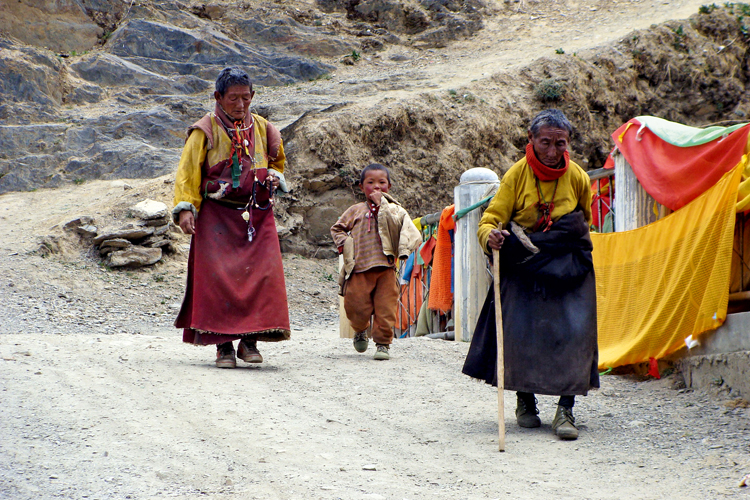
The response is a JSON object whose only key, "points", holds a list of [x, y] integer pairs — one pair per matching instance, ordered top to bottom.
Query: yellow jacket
{"points": [[198, 149], [517, 197]]}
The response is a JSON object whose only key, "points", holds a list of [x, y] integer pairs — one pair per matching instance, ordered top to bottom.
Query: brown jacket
{"points": [[398, 234]]}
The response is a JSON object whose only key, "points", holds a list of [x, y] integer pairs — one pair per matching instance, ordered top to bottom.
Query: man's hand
{"points": [[273, 179], [187, 222], [496, 239]]}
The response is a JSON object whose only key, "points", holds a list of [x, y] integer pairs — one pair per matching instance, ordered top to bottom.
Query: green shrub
{"points": [[549, 89]]}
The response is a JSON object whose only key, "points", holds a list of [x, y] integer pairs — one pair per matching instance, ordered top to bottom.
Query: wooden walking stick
{"points": [[500, 354]]}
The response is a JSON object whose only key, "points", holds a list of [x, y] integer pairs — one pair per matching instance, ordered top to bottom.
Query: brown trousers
{"points": [[373, 292]]}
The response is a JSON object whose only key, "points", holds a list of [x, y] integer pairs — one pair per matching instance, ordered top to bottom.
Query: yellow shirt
{"points": [[188, 179], [517, 196]]}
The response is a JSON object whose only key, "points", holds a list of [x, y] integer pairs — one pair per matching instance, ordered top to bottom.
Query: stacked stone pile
{"points": [[136, 244]]}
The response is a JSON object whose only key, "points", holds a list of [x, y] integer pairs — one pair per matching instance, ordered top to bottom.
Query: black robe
{"points": [[549, 315]]}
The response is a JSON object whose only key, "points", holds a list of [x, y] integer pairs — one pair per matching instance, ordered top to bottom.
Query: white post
{"points": [[634, 207], [471, 280]]}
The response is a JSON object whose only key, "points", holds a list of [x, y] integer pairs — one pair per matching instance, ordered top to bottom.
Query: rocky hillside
{"points": [[104, 90]]}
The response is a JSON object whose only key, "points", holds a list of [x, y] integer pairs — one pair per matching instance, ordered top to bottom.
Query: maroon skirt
{"points": [[235, 287]]}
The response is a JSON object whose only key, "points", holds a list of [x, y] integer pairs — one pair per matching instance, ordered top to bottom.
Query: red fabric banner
{"points": [[673, 175]]}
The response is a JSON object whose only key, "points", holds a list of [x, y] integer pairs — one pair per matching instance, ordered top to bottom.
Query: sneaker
{"points": [[360, 341], [248, 352], [381, 354], [225, 356], [527, 414], [564, 423]]}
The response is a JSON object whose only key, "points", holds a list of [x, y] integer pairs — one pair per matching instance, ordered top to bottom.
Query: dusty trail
{"points": [[535, 30], [86, 415]]}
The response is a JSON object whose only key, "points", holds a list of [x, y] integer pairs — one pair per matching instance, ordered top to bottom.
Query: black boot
{"points": [[527, 414]]}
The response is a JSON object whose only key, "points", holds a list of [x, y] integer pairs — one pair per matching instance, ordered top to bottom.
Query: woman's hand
{"points": [[496, 239]]}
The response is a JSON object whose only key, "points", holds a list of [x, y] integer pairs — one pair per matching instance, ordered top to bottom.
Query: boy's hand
{"points": [[375, 197]]}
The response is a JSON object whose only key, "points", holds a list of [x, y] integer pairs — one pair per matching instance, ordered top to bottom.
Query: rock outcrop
{"points": [[115, 101]]}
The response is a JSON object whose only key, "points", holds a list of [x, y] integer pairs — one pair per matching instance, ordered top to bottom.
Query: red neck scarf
{"points": [[542, 171]]}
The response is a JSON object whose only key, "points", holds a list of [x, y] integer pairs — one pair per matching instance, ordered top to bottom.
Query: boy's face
{"points": [[376, 181]]}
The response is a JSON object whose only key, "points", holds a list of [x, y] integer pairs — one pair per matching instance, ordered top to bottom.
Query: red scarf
{"points": [[542, 171], [545, 173]]}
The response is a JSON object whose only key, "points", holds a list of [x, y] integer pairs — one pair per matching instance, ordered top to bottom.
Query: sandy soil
{"points": [[527, 30], [100, 399]]}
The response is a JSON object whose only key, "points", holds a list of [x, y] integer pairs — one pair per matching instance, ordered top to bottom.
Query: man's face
{"points": [[235, 101], [550, 144]]}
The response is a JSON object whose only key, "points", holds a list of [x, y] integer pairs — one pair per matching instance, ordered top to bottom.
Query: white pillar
{"points": [[634, 207], [471, 280]]}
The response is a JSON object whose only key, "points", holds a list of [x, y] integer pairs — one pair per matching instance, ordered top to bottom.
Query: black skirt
{"points": [[549, 315]]}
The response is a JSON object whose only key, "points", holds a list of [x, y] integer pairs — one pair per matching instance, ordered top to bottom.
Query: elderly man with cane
{"points": [[547, 287]]}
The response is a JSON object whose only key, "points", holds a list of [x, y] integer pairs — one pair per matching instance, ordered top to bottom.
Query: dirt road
{"points": [[100, 399]]}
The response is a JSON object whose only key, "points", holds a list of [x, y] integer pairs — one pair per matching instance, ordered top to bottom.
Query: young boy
{"points": [[372, 235]]}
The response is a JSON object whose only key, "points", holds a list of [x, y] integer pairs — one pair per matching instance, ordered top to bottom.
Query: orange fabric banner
{"points": [[441, 297]]}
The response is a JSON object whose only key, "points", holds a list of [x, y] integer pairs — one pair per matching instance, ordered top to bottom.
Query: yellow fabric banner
{"points": [[658, 284]]}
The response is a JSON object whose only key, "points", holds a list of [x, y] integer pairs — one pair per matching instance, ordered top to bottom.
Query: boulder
{"points": [[62, 26], [289, 35], [170, 50], [113, 71], [29, 75], [84, 94], [21, 140], [29, 172], [150, 209], [319, 221], [77, 222], [83, 226], [161, 229], [87, 231], [156, 241], [109, 246], [134, 256]]}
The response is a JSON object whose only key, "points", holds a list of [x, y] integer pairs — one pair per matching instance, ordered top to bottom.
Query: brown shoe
{"points": [[248, 352], [225, 356], [564, 424]]}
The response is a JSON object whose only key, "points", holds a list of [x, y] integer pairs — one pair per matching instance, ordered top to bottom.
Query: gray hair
{"points": [[230, 77], [550, 118]]}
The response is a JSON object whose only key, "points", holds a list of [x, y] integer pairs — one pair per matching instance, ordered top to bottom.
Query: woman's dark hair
{"points": [[232, 76], [550, 118], [374, 166]]}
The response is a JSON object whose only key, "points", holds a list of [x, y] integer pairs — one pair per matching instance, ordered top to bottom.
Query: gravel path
{"points": [[100, 399]]}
